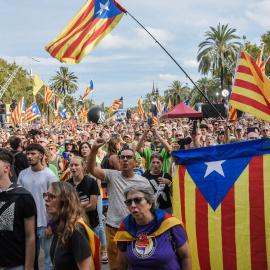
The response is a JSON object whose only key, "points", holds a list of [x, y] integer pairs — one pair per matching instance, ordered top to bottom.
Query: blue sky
{"points": [[127, 61]]}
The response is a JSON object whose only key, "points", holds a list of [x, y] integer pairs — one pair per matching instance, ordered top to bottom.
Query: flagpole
{"points": [[177, 65]]}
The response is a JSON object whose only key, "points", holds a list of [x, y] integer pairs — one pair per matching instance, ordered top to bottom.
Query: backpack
{"points": [[105, 162]]}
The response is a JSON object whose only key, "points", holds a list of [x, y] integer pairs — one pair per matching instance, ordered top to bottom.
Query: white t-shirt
{"points": [[38, 183], [116, 185]]}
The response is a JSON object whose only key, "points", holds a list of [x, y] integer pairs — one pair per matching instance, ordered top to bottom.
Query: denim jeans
{"points": [[3, 120], [96, 230], [102, 235], [45, 245], [12, 268]]}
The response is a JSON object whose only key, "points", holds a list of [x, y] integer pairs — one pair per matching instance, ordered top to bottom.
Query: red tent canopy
{"points": [[181, 110]]}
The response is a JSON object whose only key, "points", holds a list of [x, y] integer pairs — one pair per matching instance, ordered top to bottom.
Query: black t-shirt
{"points": [[3, 108], [21, 161], [87, 187], [164, 199], [12, 231], [75, 251]]}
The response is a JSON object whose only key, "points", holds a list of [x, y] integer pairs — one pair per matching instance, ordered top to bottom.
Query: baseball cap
{"points": [[239, 127]]}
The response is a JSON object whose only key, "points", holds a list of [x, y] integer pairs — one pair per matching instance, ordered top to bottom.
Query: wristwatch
{"points": [[170, 185]]}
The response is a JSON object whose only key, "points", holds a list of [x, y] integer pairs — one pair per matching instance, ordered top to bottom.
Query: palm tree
{"points": [[217, 52], [64, 82], [209, 86], [177, 92]]}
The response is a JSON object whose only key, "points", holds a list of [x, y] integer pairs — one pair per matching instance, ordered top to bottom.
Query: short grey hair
{"points": [[148, 193]]}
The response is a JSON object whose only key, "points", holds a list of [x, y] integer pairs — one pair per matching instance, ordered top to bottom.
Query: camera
{"points": [[183, 142]]}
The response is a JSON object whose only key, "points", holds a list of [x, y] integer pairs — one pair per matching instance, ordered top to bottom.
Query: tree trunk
{"points": [[221, 77]]}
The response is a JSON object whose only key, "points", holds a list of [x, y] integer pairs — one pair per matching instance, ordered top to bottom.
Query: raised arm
{"points": [[140, 143], [164, 143], [91, 160]]}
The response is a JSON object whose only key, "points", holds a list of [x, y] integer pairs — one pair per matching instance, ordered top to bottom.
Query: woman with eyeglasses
{"points": [[161, 183], [150, 238], [71, 245]]}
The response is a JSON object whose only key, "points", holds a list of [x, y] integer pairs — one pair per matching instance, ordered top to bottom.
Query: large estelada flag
{"points": [[88, 27], [88, 90], [251, 90], [48, 95], [32, 112], [222, 195]]}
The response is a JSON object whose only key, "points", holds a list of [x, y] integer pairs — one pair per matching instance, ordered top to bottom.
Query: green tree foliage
{"points": [[218, 52], [64, 82], [209, 86], [177, 92]]}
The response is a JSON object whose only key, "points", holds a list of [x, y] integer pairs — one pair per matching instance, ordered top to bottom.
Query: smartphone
{"points": [[150, 122], [194, 126], [114, 135]]}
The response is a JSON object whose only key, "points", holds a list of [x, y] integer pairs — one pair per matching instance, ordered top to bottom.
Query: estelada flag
{"points": [[87, 28], [261, 59], [88, 90], [251, 90], [48, 95], [117, 103], [57, 104], [32, 112], [17, 113], [83, 113], [221, 194]]}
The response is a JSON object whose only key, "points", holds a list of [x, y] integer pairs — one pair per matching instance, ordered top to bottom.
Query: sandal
{"points": [[104, 257]]}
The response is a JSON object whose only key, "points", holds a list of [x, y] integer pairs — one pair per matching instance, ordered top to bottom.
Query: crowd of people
{"points": [[53, 178]]}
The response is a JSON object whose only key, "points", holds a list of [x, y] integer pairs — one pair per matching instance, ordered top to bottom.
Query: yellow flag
{"points": [[37, 83]]}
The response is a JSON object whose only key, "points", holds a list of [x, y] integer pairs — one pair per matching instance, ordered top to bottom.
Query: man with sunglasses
{"points": [[265, 131], [116, 181]]}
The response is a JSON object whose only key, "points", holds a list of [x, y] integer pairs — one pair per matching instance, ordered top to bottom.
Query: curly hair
{"points": [[69, 211]]}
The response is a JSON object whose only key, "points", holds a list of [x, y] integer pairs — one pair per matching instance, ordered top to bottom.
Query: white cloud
{"points": [[259, 13], [190, 63], [168, 77]]}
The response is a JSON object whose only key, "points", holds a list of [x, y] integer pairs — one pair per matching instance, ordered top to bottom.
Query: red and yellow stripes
{"points": [[82, 34], [261, 60], [87, 91], [251, 91], [48, 95], [140, 108], [83, 112], [17, 113], [232, 113], [237, 235]]}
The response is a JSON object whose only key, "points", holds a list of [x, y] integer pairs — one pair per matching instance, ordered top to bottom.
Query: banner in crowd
{"points": [[87, 28], [120, 114], [221, 194]]}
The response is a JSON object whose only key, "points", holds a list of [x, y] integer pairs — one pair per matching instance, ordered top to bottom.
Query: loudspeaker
{"points": [[208, 110]]}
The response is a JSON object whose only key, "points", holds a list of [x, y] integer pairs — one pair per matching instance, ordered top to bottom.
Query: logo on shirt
{"points": [[144, 247]]}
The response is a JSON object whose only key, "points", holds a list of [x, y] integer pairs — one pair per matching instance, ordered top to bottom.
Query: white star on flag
{"points": [[102, 7], [214, 166]]}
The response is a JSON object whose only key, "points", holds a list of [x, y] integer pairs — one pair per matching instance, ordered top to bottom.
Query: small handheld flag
{"points": [[88, 90]]}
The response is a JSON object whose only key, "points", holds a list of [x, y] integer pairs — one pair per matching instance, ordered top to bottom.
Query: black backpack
{"points": [[105, 162]]}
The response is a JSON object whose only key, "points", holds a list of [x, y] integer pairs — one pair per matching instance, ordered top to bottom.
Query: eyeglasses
{"points": [[215, 124], [265, 130], [178, 135], [60, 137], [129, 157], [49, 195], [136, 200]]}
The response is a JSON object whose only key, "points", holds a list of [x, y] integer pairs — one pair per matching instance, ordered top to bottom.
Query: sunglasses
{"points": [[265, 130], [178, 135], [60, 137], [40, 141], [129, 157], [49, 195], [136, 200]]}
